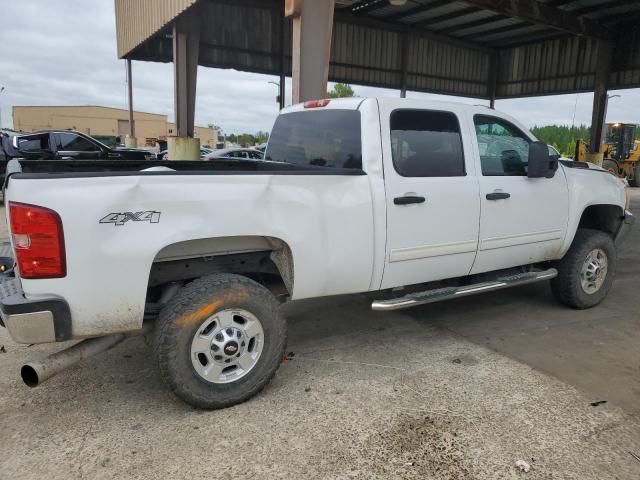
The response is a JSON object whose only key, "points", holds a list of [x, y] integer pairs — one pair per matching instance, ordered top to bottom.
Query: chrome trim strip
{"points": [[519, 239], [427, 251]]}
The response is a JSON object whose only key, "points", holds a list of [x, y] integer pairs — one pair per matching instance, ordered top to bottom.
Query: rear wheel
{"points": [[586, 272], [220, 340]]}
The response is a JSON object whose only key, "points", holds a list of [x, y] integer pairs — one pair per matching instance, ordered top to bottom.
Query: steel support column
{"points": [[312, 32], [186, 45], [404, 55], [283, 59], [492, 87], [599, 114], [130, 141]]}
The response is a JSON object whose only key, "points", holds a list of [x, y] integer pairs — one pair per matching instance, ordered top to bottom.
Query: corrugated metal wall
{"points": [[137, 20], [245, 35], [243, 38], [370, 56], [626, 63], [565, 65], [441, 68]]}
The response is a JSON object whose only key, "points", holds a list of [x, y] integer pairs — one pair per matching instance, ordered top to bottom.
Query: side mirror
{"points": [[541, 164]]}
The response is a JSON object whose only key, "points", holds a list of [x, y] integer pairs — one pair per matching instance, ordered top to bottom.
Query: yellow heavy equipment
{"points": [[621, 152]]}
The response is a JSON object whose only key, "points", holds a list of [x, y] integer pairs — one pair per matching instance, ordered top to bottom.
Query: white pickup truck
{"points": [[416, 200]]}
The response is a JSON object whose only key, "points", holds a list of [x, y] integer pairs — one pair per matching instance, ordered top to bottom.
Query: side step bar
{"points": [[447, 293]]}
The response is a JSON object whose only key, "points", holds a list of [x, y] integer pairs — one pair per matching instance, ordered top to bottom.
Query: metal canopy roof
{"points": [[469, 48]]}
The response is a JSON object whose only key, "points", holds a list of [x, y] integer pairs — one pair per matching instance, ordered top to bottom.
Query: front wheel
{"points": [[586, 272], [220, 340]]}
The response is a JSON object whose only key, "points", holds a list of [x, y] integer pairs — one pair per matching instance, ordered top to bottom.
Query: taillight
{"points": [[317, 103], [38, 240]]}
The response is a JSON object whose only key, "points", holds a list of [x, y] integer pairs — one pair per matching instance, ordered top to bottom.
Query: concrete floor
{"points": [[458, 390]]}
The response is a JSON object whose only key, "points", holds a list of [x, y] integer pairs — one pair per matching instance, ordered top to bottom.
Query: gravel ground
{"points": [[363, 395]]}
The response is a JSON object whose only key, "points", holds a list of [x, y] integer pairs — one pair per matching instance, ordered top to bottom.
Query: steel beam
{"points": [[366, 6], [417, 10], [536, 12], [445, 17], [469, 25], [416, 30], [312, 35], [406, 39], [186, 49], [283, 59], [492, 87], [600, 94], [132, 128]]}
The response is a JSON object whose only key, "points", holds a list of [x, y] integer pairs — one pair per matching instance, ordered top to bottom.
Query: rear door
{"points": [[433, 206], [523, 220]]}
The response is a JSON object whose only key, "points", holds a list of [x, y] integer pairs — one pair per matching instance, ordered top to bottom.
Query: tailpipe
{"points": [[34, 373]]}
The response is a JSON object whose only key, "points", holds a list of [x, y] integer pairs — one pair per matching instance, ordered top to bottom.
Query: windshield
{"points": [[328, 138]]}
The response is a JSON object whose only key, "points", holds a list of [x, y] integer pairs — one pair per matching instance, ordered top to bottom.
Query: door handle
{"points": [[498, 196], [407, 200]]}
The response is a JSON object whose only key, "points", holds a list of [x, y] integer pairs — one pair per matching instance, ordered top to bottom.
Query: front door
{"points": [[72, 145], [433, 205], [523, 220]]}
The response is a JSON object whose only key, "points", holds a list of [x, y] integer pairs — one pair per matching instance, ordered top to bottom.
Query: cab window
{"points": [[426, 144], [504, 149]]}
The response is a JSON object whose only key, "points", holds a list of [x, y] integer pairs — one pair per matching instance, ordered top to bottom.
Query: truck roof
{"points": [[355, 102]]}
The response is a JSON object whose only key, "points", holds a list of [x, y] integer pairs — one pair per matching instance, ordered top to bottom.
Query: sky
{"points": [[63, 52]]}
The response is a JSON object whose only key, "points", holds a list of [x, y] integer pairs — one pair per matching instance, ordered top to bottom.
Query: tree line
{"points": [[564, 138]]}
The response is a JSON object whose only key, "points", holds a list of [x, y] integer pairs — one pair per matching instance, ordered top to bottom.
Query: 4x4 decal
{"points": [[119, 219]]}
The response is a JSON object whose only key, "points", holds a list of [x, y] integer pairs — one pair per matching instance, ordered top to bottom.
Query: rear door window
{"points": [[318, 138], [426, 144]]}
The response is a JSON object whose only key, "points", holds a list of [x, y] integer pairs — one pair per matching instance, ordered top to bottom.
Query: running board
{"points": [[447, 293]]}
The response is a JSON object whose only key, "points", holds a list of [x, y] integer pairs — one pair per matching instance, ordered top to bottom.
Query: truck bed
{"points": [[96, 168]]}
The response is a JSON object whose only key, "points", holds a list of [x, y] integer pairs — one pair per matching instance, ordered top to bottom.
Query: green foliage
{"points": [[341, 90], [562, 137], [248, 139]]}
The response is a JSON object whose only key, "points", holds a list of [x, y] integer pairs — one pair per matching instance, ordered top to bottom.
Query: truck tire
{"points": [[586, 272], [220, 340]]}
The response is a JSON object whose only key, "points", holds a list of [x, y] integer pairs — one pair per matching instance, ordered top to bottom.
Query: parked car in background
{"points": [[60, 145], [66, 145], [262, 147], [249, 153], [164, 154]]}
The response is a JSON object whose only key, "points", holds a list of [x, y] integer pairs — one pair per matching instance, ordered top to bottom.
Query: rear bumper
{"points": [[625, 227], [33, 321]]}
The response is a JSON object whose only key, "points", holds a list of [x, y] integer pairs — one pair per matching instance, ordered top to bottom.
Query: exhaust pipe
{"points": [[34, 373]]}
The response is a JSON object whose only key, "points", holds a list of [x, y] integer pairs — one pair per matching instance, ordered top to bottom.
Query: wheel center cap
{"points": [[231, 348]]}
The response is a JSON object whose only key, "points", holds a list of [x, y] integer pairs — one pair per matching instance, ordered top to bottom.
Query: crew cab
{"points": [[414, 200]]}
